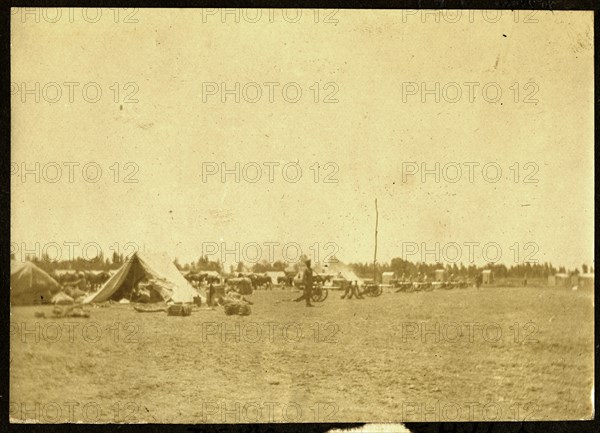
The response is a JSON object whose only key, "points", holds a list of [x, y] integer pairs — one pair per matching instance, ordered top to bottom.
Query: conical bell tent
{"points": [[30, 285], [168, 285]]}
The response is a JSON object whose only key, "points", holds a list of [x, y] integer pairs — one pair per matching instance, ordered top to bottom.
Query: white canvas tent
{"points": [[339, 270], [349, 275], [440, 275], [486, 276], [562, 280], [586, 281], [169, 283], [30, 284]]}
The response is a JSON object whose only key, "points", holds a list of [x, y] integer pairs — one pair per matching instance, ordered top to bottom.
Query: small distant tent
{"points": [[320, 268], [337, 271], [349, 275], [440, 275], [299, 277], [387, 277], [487, 277], [562, 280], [586, 281], [168, 283], [30, 284]]}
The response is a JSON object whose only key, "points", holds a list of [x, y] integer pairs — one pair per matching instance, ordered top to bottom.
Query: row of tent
{"points": [[340, 273], [582, 281], [31, 285]]}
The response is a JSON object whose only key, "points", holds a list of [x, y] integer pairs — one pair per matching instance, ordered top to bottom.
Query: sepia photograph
{"points": [[250, 216]]}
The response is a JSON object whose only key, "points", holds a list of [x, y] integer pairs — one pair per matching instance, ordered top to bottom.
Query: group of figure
{"points": [[308, 277], [351, 290]]}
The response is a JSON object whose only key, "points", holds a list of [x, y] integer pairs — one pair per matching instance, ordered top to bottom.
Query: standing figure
{"points": [[308, 283], [211, 294]]}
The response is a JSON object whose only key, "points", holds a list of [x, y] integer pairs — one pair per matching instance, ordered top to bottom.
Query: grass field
{"points": [[494, 353]]}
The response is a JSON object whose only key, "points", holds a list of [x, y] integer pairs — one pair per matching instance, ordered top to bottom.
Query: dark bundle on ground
{"points": [[232, 308], [239, 308], [179, 310]]}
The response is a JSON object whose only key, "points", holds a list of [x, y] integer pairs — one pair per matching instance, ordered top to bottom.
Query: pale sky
{"points": [[369, 134]]}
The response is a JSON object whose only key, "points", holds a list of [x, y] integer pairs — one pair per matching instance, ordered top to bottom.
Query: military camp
{"points": [[206, 322]]}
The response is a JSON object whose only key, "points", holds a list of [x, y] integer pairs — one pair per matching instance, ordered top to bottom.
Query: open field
{"points": [[494, 353]]}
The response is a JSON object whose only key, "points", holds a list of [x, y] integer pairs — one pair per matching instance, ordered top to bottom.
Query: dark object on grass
{"points": [[239, 308], [179, 310]]}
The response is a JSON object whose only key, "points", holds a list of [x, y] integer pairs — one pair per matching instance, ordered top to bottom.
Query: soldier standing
{"points": [[308, 283], [211, 295]]}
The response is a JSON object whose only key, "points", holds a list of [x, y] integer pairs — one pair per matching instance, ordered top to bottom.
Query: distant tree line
{"points": [[98, 263], [202, 264], [365, 270], [525, 270]]}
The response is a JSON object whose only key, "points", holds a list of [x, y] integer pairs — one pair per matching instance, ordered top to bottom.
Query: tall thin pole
{"points": [[375, 256]]}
